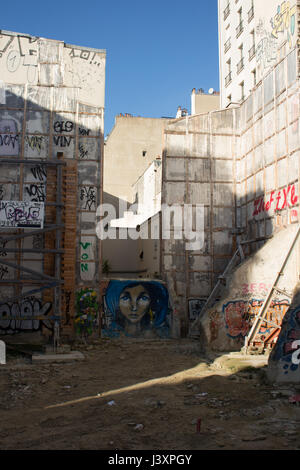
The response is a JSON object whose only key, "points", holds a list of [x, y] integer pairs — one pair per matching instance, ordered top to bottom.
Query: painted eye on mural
{"points": [[125, 297], [144, 298]]}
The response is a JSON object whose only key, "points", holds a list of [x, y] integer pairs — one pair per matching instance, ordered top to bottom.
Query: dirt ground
{"points": [[131, 395]]}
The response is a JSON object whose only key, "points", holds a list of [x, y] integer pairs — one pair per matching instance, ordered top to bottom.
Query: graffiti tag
{"points": [[284, 21], [88, 197], [285, 198], [21, 214], [30, 307], [240, 314]]}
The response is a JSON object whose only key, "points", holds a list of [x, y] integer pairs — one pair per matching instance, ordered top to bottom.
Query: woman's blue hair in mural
{"points": [[159, 300]]}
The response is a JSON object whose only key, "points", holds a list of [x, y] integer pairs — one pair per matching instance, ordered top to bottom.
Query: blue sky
{"points": [[157, 51]]}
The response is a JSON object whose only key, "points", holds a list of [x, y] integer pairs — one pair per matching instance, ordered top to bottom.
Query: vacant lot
{"points": [[145, 395]]}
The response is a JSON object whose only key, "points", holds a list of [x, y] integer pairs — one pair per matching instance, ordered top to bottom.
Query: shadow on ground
{"points": [[146, 395]]}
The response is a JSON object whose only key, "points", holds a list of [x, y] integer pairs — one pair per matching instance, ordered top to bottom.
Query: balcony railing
{"points": [[226, 12], [250, 14], [239, 29], [227, 45], [252, 52], [240, 65], [228, 79]]}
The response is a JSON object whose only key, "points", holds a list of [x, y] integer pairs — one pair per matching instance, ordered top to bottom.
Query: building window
{"points": [[226, 11], [251, 13], [240, 27], [227, 45], [252, 49], [240, 64], [228, 77], [253, 77], [242, 92], [144, 153]]}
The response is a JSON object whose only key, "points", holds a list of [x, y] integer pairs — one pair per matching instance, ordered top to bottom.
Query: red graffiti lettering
{"points": [[285, 194], [284, 198], [294, 198], [278, 199], [269, 203], [261, 206], [255, 207], [245, 289], [239, 316]]}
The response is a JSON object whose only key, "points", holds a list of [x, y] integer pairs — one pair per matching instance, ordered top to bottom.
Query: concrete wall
{"points": [[273, 31], [52, 100], [203, 103], [130, 148], [242, 164], [198, 168], [267, 168], [129, 174], [147, 190], [150, 247], [129, 257], [224, 326], [285, 357]]}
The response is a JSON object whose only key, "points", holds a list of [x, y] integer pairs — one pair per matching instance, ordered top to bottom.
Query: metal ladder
{"points": [[237, 254], [260, 317]]}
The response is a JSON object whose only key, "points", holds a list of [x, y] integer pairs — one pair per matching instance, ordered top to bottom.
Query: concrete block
{"points": [[292, 67], [280, 78], [268, 89], [38, 98], [257, 105], [281, 116], [222, 121], [199, 123], [257, 132], [293, 136], [175, 144], [281, 144], [197, 145], [222, 146], [89, 148], [293, 166], [175, 169], [221, 170], [175, 193], [199, 193], [222, 195], [223, 218], [200, 284], [57, 358]]}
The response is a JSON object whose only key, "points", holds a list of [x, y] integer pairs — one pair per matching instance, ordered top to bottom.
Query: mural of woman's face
{"points": [[134, 303]]}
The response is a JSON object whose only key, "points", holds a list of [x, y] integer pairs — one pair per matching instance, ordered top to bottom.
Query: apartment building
{"points": [[253, 37]]}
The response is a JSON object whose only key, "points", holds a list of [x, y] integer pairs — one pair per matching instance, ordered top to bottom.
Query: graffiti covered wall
{"points": [[276, 27], [51, 103], [242, 165], [26, 308], [135, 308], [239, 316], [225, 324], [284, 360]]}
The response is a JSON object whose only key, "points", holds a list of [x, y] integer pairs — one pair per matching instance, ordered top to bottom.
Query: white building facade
{"points": [[253, 36]]}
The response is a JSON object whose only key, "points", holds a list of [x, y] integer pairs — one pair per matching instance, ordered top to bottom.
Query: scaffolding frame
{"points": [[45, 281]]}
